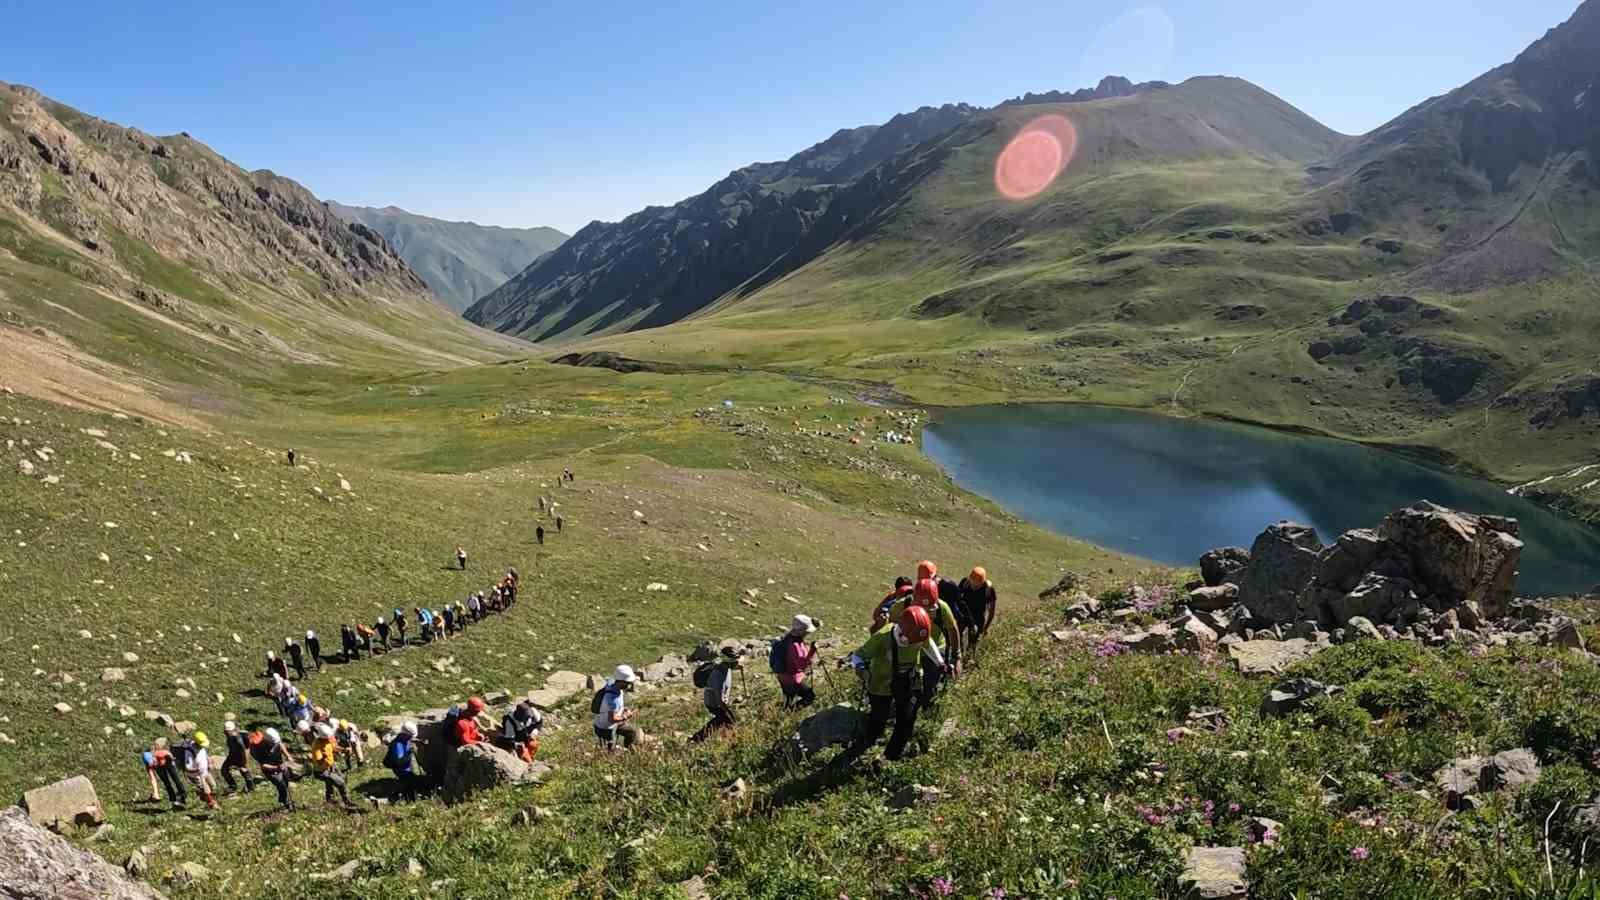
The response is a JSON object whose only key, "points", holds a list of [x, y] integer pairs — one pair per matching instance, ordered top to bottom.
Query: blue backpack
{"points": [[778, 654]]}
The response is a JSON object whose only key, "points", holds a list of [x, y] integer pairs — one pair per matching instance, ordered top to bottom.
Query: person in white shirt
{"points": [[613, 721], [199, 769]]}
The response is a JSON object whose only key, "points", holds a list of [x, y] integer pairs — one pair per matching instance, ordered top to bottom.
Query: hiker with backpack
{"points": [[291, 457], [538, 534], [461, 557], [475, 606], [976, 608], [880, 613], [448, 614], [461, 617], [399, 622], [424, 623], [381, 625], [364, 636], [946, 636], [347, 642], [314, 649], [296, 657], [790, 658], [887, 663], [276, 666], [717, 682], [281, 691], [613, 721], [462, 728], [519, 730], [350, 743], [237, 758], [401, 759], [276, 762], [160, 763], [325, 764], [198, 768]]}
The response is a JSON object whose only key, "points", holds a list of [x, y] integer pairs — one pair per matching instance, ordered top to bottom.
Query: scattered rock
{"points": [[1222, 565], [1069, 582], [655, 586], [1214, 597], [1265, 656], [112, 674], [1294, 694], [62, 708], [838, 724], [1472, 775], [737, 790], [913, 795], [64, 804], [1263, 830], [136, 864], [414, 868], [346, 872], [1214, 873], [189, 874]]}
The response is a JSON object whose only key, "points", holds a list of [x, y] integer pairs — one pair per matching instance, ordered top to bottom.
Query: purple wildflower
{"points": [[1359, 853], [944, 887]]}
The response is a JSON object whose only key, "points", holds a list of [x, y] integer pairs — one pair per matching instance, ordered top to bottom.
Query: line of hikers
{"points": [[390, 633], [916, 640]]}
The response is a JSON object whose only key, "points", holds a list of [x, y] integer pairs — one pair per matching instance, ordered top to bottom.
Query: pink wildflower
{"points": [[1359, 853]]}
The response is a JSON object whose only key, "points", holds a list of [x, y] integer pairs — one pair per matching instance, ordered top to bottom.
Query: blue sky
{"points": [[522, 113]]}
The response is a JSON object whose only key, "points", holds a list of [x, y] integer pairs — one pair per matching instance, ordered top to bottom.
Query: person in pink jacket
{"points": [[794, 657]]}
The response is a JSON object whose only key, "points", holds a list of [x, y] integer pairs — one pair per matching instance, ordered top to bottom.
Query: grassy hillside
{"points": [[460, 261]]}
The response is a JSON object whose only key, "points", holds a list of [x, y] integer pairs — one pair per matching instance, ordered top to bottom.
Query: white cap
{"points": [[802, 625], [310, 635], [288, 642], [271, 655], [624, 675], [303, 725], [229, 727], [409, 728], [324, 730], [272, 736]]}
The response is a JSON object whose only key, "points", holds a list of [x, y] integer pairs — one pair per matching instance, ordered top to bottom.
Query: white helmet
{"points": [[310, 635], [288, 642], [271, 656], [624, 675], [303, 726], [229, 727], [409, 728], [324, 730], [272, 736]]}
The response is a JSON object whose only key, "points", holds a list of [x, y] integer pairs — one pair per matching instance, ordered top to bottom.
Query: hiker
{"points": [[291, 457], [541, 503], [558, 524], [539, 533], [461, 557], [508, 588], [475, 606], [977, 607], [880, 614], [449, 616], [461, 616], [399, 622], [424, 623], [382, 627], [946, 634], [364, 636], [347, 642], [314, 649], [296, 657], [791, 658], [887, 662], [276, 666], [719, 681], [280, 690], [299, 710], [612, 720], [461, 723], [519, 730], [350, 743], [237, 758], [401, 760], [159, 762], [276, 762], [324, 764], [199, 769]]}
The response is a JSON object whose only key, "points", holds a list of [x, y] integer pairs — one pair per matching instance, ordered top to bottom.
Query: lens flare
{"points": [[1035, 156]]}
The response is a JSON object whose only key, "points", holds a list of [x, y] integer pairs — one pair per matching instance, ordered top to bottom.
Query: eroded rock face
{"points": [[1459, 557], [1282, 561], [38, 865]]}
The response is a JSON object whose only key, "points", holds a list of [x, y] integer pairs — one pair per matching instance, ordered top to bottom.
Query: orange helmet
{"points": [[926, 569], [979, 575], [926, 593], [914, 624], [475, 705], [255, 738]]}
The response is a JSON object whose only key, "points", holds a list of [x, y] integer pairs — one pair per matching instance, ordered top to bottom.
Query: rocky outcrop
{"points": [[1282, 561], [1223, 565], [481, 766], [1464, 778], [38, 865]]}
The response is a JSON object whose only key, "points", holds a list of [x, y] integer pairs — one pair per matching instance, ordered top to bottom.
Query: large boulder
{"points": [[1458, 556], [1282, 562], [1222, 565], [1341, 565], [1214, 597], [1376, 598], [1190, 633], [667, 668], [558, 687], [838, 724], [478, 767], [1464, 778], [64, 804], [38, 865], [1214, 873]]}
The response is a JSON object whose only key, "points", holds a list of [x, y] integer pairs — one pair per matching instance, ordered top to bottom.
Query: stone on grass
{"points": [[1214, 597], [1265, 656], [111, 674], [1294, 694], [838, 724], [481, 766], [1466, 777], [915, 795], [64, 804], [1214, 873], [189, 874]]}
